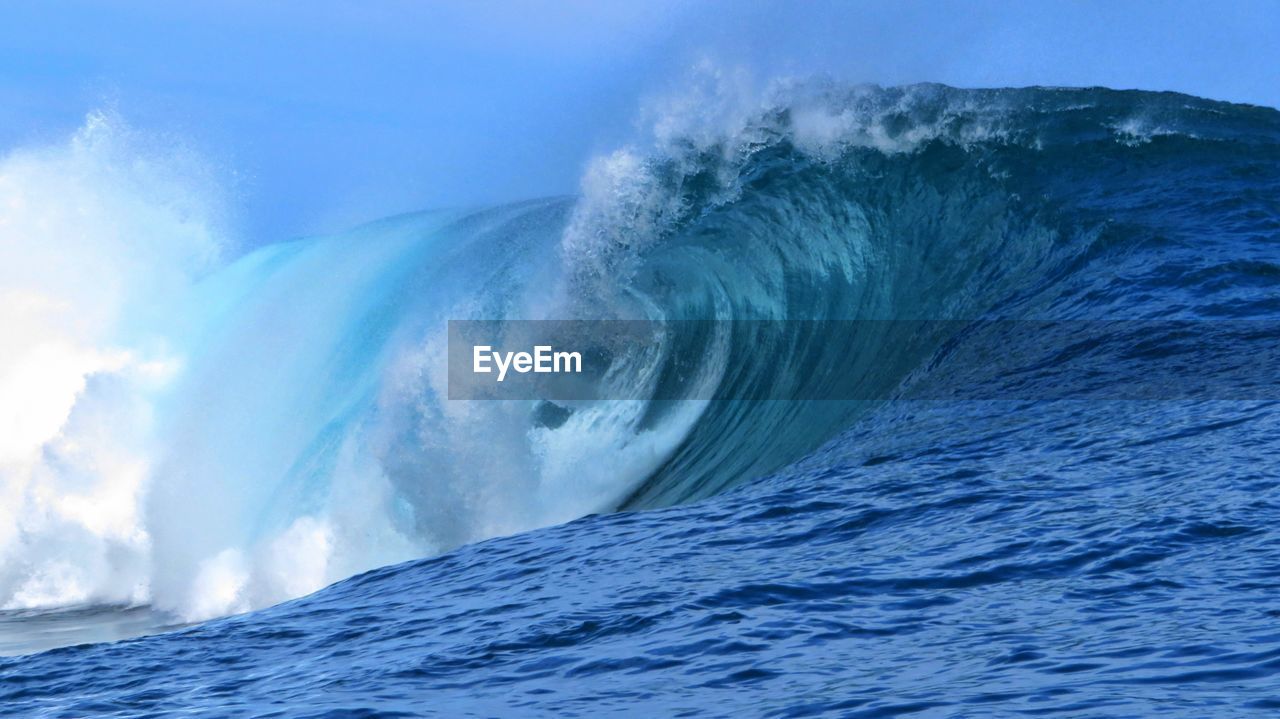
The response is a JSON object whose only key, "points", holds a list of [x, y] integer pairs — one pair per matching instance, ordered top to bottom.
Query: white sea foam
{"points": [[95, 234]]}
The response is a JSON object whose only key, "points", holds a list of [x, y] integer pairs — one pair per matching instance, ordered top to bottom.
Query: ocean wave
{"points": [[228, 435]]}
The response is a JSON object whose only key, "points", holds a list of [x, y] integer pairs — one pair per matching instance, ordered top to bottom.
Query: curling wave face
{"points": [[225, 436]]}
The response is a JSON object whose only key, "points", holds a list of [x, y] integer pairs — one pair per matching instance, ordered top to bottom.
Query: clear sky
{"points": [[324, 114]]}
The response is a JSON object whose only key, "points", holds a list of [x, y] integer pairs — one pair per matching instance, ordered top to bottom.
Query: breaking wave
{"points": [[209, 435]]}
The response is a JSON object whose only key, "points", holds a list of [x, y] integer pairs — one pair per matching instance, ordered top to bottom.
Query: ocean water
{"points": [[302, 524]]}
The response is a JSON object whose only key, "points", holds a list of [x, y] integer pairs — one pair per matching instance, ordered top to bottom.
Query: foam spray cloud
{"points": [[95, 234]]}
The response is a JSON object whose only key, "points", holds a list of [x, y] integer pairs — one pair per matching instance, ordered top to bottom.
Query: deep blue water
{"points": [[1023, 553], [1081, 559]]}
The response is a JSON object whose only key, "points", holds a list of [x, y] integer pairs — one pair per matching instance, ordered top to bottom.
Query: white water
{"points": [[95, 234]]}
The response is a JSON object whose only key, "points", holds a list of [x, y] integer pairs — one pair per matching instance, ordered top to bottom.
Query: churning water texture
{"points": [[239, 434]]}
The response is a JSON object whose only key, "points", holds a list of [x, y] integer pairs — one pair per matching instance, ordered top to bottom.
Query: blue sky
{"points": [[325, 114]]}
